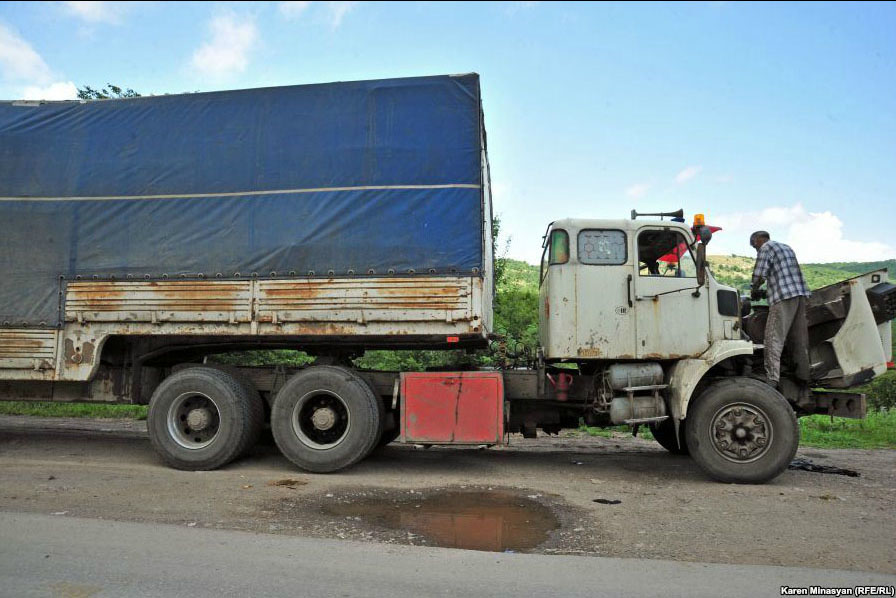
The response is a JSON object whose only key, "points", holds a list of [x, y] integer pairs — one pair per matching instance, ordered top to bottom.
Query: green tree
{"points": [[106, 93], [499, 252]]}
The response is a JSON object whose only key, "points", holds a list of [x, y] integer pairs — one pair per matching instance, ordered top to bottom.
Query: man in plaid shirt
{"points": [[787, 292]]}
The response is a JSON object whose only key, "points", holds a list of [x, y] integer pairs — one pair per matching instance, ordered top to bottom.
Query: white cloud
{"points": [[292, 10], [336, 11], [111, 13], [332, 13], [232, 39], [19, 61], [62, 90], [687, 174], [638, 190], [814, 236]]}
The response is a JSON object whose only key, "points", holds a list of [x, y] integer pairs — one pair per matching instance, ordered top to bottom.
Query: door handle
{"points": [[628, 290]]}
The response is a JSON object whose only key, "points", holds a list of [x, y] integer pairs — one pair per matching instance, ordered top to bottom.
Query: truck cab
{"points": [[630, 290], [659, 342]]}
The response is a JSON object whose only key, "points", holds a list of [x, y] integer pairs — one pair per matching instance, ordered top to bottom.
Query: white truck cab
{"points": [[630, 290], [659, 342]]}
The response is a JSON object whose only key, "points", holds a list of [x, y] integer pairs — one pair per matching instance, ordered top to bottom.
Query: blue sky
{"points": [[777, 116]]}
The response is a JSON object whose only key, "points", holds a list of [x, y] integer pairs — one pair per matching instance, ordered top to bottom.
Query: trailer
{"points": [[140, 237]]}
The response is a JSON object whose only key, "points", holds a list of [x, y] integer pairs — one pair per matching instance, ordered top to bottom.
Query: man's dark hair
{"points": [[759, 234]]}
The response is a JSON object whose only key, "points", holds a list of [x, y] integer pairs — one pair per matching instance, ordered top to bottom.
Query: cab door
{"points": [[604, 298], [671, 312]]}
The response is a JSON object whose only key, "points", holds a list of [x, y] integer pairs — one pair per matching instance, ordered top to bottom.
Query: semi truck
{"points": [[141, 237]]}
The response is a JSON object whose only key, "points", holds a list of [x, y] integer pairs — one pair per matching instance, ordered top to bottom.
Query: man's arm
{"points": [[760, 271]]}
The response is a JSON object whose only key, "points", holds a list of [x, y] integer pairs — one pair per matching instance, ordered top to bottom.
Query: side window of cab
{"points": [[556, 251], [664, 252]]}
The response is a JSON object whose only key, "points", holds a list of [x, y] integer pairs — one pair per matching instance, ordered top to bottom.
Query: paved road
{"points": [[46, 555]]}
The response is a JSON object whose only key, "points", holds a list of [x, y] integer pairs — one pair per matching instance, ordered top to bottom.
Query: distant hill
{"points": [[737, 271], [519, 275]]}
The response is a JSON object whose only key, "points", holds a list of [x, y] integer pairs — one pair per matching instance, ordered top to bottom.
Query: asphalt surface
{"points": [[47, 555]]}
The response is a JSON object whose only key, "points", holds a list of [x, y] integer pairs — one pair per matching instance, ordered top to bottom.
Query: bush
{"points": [[881, 392]]}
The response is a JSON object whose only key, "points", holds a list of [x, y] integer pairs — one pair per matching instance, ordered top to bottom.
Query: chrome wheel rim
{"points": [[321, 419], [193, 420], [741, 433]]}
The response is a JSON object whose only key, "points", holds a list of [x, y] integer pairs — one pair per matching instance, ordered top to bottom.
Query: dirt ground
{"points": [[668, 509]]}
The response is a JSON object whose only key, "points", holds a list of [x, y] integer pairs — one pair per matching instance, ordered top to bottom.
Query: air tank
{"points": [[624, 375]]}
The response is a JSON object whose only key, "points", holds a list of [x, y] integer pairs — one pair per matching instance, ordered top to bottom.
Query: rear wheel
{"points": [[256, 403], [201, 418], [326, 418], [742, 430], [664, 434]]}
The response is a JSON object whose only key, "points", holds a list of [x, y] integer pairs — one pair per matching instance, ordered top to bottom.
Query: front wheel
{"points": [[743, 431]]}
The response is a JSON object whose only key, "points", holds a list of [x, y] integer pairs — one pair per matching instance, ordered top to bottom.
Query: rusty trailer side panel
{"points": [[366, 300], [154, 301], [346, 310], [30, 351]]}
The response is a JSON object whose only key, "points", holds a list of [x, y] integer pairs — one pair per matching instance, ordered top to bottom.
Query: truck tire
{"points": [[256, 403], [201, 418], [326, 418], [743, 431], [390, 434], [664, 434]]}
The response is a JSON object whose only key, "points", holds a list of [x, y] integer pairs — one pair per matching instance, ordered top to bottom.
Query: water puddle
{"points": [[493, 520]]}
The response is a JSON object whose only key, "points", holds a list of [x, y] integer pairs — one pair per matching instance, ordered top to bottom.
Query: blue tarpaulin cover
{"points": [[360, 176]]}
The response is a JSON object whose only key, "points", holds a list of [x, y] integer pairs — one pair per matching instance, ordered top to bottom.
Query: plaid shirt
{"points": [[777, 264]]}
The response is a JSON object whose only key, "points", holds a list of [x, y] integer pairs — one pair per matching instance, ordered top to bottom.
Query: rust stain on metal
{"points": [[301, 291], [363, 294], [174, 296], [20, 343], [87, 350], [69, 352], [78, 353], [666, 356]]}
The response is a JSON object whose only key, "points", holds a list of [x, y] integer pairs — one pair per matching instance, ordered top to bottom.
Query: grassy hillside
{"points": [[736, 271], [519, 275]]}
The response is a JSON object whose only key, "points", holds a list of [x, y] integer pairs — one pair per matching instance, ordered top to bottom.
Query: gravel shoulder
{"points": [[668, 510]]}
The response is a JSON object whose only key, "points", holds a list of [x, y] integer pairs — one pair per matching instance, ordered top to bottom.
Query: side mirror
{"points": [[705, 234], [701, 263]]}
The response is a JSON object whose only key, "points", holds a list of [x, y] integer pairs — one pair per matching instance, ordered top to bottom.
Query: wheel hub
{"points": [[324, 418], [199, 419], [321, 419], [193, 420], [741, 433]]}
